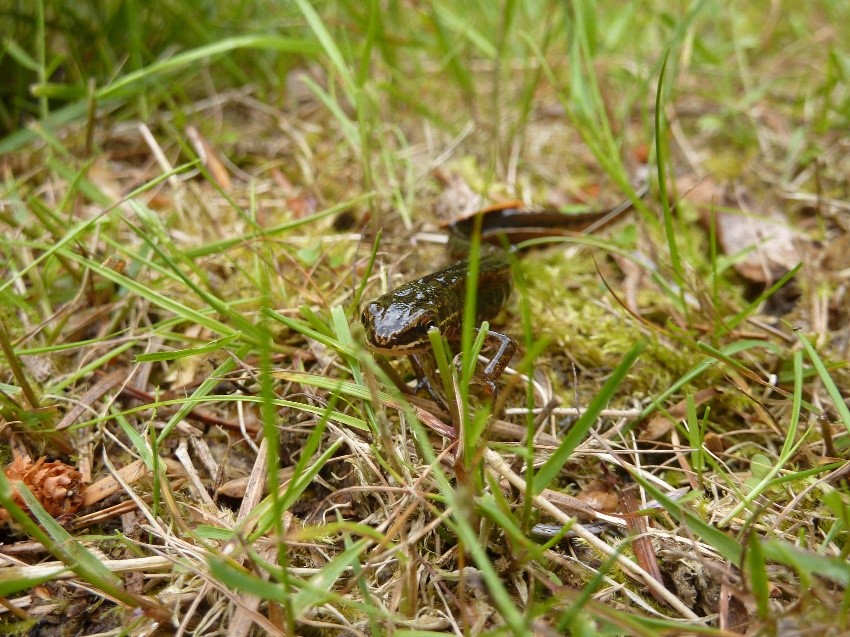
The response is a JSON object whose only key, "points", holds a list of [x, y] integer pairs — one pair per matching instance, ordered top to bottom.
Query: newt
{"points": [[398, 322]]}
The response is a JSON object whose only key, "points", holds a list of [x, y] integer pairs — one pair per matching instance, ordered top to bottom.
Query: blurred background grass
{"points": [[55, 53], [752, 83]]}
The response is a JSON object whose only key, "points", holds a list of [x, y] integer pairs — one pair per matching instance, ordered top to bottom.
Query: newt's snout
{"points": [[394, 327]]}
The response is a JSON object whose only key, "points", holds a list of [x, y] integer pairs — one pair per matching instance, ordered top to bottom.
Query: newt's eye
{"points": [[367, 316]]}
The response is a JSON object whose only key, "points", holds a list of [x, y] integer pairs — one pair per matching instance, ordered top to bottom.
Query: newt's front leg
{"points": [[505, 350], [427, 378]]}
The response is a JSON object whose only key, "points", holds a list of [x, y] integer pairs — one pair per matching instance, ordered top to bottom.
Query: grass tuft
{"points": [[195, 202]]}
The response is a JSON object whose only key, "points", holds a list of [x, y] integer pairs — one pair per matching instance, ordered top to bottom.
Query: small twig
{"points": [[93, 395], [574, 412], [634, 570]]}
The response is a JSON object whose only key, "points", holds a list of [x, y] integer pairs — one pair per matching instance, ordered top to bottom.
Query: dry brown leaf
{"points": [[641, 152], [702, 194], [457, 198], [161, 201], [301, 206], [770, 240], [775, 252], [40, 367], [661, 424], [713, 443], [105, 487], [237, 487], [599, 496]]}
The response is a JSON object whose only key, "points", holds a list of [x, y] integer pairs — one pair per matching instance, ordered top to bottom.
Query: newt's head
{"points": [[396, 326]]}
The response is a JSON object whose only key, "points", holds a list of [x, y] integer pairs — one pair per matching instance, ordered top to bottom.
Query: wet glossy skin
{"points": [[397, 323]]}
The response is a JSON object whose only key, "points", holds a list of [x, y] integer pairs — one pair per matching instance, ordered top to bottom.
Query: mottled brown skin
{"points": [[511, 225], [397, 323]]}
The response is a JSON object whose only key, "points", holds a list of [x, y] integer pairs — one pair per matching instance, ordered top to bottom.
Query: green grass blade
{"points": [[328, 44], [137, 82], [661, 162], [160, 300], [302, 328], [212, 346], [703, 366], [826, 379], [578, 432], [789, 448], [266, 513], [64, 547], [728, 547], [807, 563], [757, 570], [315, 592]]}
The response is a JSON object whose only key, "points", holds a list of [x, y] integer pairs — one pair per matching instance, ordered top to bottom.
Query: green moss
{"points": [[589, 328]]}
